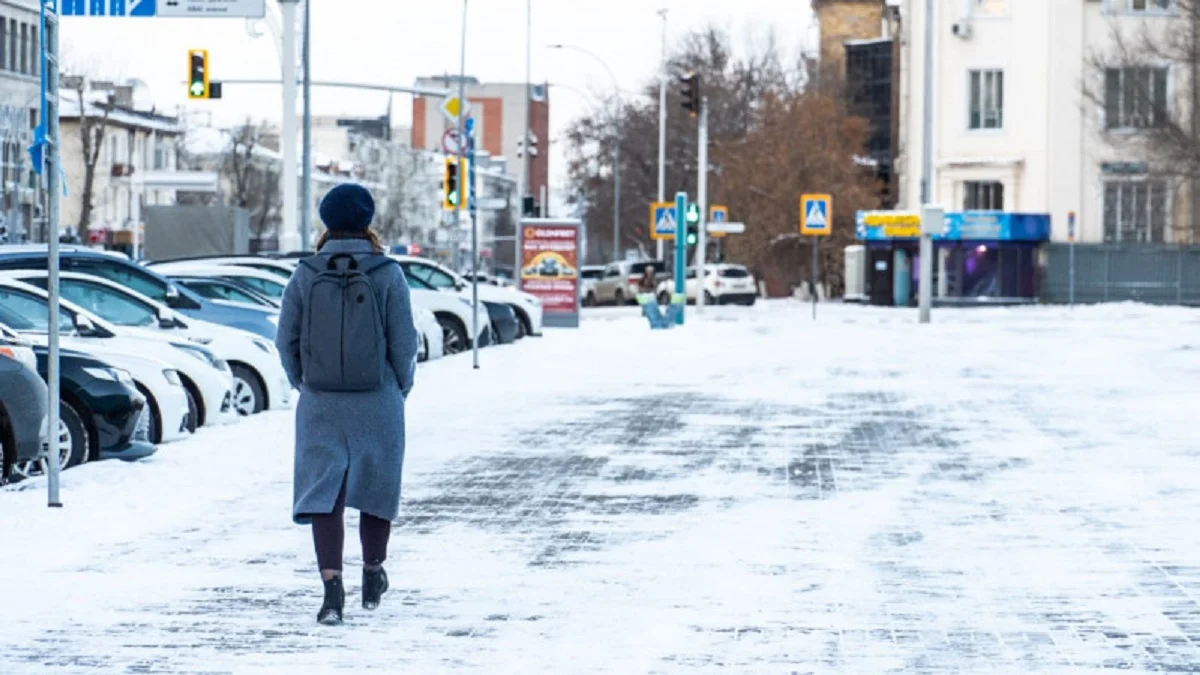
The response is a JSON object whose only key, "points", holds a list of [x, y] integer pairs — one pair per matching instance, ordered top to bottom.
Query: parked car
{"points": [[279, 268], [588, 276], [485, 278], [264, 283], [723, 284], [619, 285], [227, 292], [526, 306], [453, 314], [259, 320], [504, 322], [432, 342], [207, 378], [259, 382], [23, 402], [101, 413]]}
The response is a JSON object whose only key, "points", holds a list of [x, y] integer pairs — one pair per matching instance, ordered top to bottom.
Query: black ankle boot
{"points": [[374, 585], [335, 601]]}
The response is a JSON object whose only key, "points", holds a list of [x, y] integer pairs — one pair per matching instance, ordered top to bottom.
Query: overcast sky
{"points": [[396, 41]]}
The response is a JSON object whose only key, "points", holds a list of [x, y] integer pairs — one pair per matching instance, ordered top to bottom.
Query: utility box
{"points": [[856, 274]]}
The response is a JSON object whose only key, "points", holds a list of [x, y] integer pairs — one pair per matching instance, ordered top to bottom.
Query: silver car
{"points": [[619, 284]]}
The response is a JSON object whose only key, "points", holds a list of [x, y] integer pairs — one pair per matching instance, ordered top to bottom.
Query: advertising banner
{"points": [[549, 268]]}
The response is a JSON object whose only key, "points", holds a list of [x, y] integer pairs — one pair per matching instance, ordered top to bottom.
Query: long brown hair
{"points": [[369, 235]]}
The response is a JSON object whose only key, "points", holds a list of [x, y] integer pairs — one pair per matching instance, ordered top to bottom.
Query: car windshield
{"points": [[639, 268], [271, 269], [735, 273], [429, 274], [592, 274], [126, 275], [416, 282], [267, 287], [215, 290], [107, 303], [22, 311]]}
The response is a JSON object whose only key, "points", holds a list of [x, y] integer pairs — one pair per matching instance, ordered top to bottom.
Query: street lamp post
{"points": [[616, 143], [289, 238]]}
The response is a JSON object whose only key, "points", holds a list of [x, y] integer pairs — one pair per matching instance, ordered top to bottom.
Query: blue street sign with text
{"points": [[109, 8]]}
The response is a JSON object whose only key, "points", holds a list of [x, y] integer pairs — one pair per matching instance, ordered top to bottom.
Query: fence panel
{"points": [[1163, 275]]}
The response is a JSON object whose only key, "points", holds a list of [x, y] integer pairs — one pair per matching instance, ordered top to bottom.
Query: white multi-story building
{"points": [[20, 93], [1029, 118]]}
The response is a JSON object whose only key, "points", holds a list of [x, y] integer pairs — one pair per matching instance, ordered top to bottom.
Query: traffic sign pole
{"points": [[52, 165], [702, 202], [816, 220], [933, 220], [680, 249], [1071, 257], [816, 261]]}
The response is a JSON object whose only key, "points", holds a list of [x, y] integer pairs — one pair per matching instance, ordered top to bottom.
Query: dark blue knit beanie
{"points": [[348, 208]]}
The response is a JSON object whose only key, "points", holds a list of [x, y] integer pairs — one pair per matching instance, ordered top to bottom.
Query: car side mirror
{"points": [[172, 295], [166, 320], [84, 325]]}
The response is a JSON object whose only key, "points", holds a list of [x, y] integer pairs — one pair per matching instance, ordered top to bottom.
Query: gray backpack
{"points": [[343, 345]]}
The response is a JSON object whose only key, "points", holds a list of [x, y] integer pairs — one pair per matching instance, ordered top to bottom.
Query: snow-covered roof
{"points": [[137, 119], [202, 141]]}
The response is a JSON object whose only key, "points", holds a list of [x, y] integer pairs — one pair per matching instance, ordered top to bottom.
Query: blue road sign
{"points": [[109, 8], [718, 214], [815, 214], [662, 220]]}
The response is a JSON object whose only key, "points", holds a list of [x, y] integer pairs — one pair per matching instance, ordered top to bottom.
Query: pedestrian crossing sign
{"points": [[816, 215], [662, 220]]}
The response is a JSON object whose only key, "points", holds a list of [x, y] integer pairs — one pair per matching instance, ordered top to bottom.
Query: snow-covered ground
{"points": [[1001, 491]]}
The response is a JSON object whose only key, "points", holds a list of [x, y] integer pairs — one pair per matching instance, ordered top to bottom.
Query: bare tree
{"points": [[1156, 124], [92, 131], [254, 179]]}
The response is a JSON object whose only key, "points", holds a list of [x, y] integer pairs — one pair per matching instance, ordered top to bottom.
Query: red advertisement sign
{"points": [[550, 265]]}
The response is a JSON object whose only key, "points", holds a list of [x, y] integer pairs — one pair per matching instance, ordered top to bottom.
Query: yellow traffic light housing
{"points": [[198, 83], [691, 93], [450, 186]]}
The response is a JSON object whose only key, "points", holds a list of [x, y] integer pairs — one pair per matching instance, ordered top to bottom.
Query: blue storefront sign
{"points": [[959, 226]]}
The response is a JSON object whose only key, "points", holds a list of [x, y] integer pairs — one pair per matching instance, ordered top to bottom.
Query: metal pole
{"points": [[50, 112], [662, 123], [470, 140], [927, 143], [306, 167], [527, 172], [462, 179], [617, 182], [545, 199], [702, 202], [129, 205], [932, 220], [289, 237], [680, 247], [1071, 258], [816, 260]]}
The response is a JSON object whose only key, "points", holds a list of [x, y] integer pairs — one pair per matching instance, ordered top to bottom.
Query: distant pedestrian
{"points": [[648, 283], [348, 343]]}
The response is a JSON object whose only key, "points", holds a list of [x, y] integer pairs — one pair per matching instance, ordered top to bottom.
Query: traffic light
{"points": [[198, 74], [691, 93], [450, 185], [693, 224]]}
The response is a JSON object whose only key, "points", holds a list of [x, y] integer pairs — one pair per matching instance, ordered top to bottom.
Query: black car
{"points": [[505, 324], [22, 404], [103, 414]]}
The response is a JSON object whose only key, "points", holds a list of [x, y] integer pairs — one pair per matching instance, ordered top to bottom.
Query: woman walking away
{"points": [[347, 341]]}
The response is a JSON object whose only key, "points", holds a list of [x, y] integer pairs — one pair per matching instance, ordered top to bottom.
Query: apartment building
{"points": [[20, 91], [1033, 113]]}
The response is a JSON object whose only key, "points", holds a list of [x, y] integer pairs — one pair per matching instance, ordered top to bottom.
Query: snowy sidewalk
{"points": [[1003, 491]]}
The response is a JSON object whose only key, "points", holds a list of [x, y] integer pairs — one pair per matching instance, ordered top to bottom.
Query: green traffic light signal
{"points": [[693, 213], [691, 238]]}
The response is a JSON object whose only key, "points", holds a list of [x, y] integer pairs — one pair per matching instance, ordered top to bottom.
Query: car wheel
{"points": [[619, 297], [709, 299], [589, 300], [522, 329], [454, 336], [423, 351], [248, 395], [193, 416], [71, 443]]}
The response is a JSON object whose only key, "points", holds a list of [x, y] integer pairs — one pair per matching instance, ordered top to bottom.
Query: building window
{"points": [[1147, 6], [989, 7], [12, 44], [25, 49], [35, 52], [4, 62], [1135, 98], [987, 99], [983, 195], [1135, 211]]}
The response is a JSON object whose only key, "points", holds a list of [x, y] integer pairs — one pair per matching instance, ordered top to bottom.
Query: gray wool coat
{"points": [[355, 438]]}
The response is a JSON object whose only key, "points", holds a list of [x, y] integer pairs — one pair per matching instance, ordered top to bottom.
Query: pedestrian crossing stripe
{"points": [[816, 214], [662, 220]]}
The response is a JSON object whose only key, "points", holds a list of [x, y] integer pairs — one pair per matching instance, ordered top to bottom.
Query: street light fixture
{"points": [[616, 142]]}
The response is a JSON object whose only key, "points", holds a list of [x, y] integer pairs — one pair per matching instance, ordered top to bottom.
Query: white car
{"points": [[280, 268], [588, 275], [264, 283], [723, 284], [527, 307], [432, 340], [206, 377], [259, 382], [173, 416]]}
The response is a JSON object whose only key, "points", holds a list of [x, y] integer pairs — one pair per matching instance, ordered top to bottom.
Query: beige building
{"points": [[843, 20], [1025, 120], [135, 142]]}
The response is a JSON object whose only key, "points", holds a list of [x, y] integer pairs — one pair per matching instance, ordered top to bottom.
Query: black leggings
{"points": [[329, 536]]}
